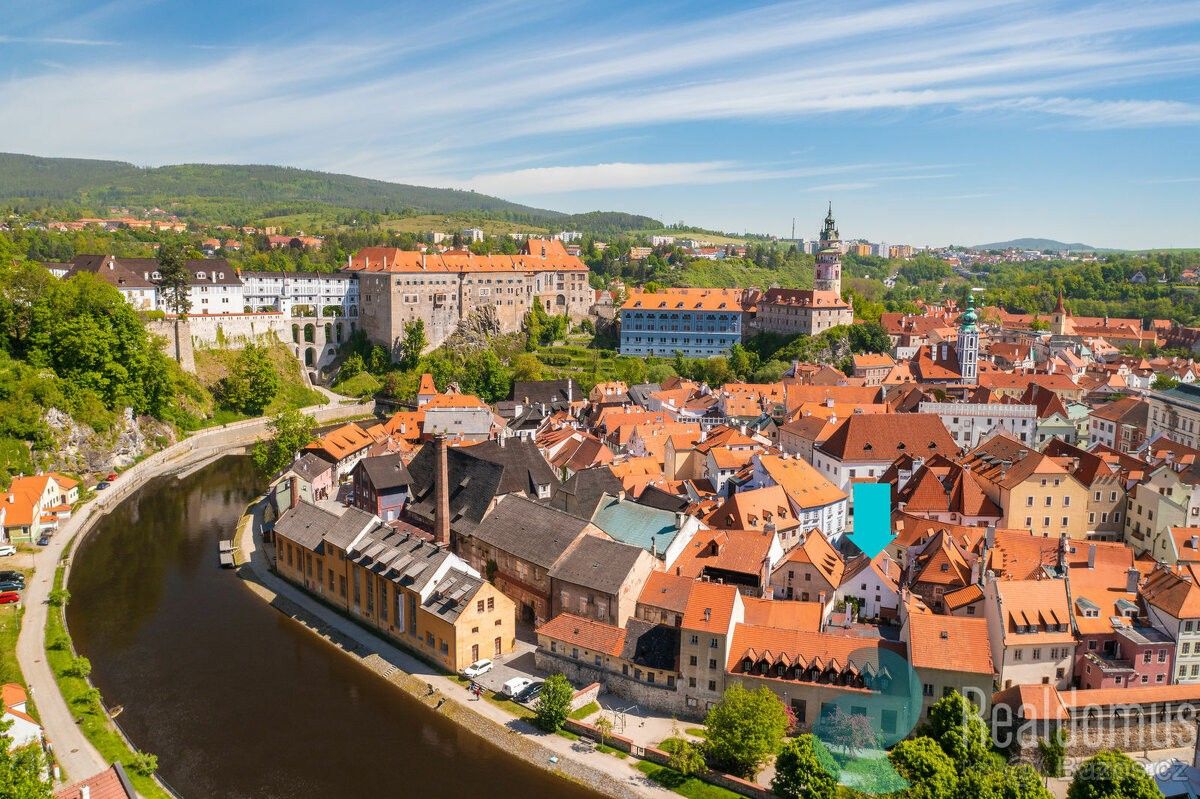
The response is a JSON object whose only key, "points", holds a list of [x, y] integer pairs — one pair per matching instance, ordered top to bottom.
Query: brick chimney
{"points": [[441, 491], [294, 492]]}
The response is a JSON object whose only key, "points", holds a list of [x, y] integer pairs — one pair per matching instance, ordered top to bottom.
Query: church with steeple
{"points": [[791, 311]]}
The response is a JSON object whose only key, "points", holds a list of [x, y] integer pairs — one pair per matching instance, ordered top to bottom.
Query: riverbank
{"points": [[75, 753], [566, 758]]}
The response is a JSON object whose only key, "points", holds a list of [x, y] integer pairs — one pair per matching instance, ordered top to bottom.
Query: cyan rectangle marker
{"points": [[872, 517]]}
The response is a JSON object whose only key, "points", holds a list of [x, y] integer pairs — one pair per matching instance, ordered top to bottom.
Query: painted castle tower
{"points": [[829, 258]]}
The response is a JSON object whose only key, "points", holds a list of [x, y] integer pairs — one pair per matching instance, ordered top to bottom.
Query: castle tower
{"points": [[829, 258], [968, 343]]}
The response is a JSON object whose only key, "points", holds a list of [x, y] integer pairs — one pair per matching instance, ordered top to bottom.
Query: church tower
{"points": [[829, 258], [1058, 322], [968, 343]]}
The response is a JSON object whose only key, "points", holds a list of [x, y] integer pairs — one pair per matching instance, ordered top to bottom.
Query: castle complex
{"points": [[442, 289]]}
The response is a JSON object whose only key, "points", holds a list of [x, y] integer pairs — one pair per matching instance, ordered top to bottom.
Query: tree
{"points": [[173, 284], [869, 337], [413, 344], [526, 366], [351, 367], [1164, 382], [252, 383], [290, 431], [59, 597], [80, 667], [554, 703], [955, 723], [604, 726], [745, 729], [847, 731], [1052, 751], [686, 757], [144, 763], [22, 770], [930, 771], [800, 772], [1112, 775], [1003, 782]]}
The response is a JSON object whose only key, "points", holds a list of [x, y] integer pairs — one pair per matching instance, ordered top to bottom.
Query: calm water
{"points": [[236, 699]]}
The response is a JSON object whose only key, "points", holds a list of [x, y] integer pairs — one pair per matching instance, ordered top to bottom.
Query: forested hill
{"points": [[1039, 244]]}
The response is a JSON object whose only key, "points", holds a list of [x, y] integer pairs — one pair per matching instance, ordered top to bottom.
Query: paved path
{"points": [[368, 644], [75, 754]]}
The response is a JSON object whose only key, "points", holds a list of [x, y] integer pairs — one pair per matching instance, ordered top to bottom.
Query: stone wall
{"points": [[165, 328], [649, 697]]}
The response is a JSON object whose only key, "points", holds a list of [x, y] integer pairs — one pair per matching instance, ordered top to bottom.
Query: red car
{"points": [[111, 476], [9, 598]]}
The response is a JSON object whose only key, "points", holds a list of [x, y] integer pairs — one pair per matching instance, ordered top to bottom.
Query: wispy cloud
{"points": [[64, 40], [472, 113], [1106, 113], [1164, 181]]}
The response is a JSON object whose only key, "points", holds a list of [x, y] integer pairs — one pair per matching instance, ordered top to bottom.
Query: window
{"points": [[491, 603], [479, 606], [695, 639], [713, 644], [1037, 653], [1018, 654], [692, 661], [712, 663], [691, 682], [712, 685], [927, 689]]}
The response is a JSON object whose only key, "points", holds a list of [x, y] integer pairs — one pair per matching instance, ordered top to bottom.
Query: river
{"points": [[238, 700]]}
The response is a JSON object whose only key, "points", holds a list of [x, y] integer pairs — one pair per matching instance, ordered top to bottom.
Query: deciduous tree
{"points": [[290, 431], [554, 703], [745, 729], [800, 771], [1112, 775]]}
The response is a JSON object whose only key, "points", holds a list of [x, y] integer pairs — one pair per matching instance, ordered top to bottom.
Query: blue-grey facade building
{"points": [[699, 323]]}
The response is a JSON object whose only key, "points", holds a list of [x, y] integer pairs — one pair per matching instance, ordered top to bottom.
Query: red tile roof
{"points": [[585, 633], [949, 643]]}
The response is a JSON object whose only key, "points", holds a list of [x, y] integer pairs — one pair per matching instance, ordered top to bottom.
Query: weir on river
{"points": [[237, 699]]}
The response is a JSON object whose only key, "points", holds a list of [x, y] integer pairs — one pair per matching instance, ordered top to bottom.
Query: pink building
{"points": [[1130, 656]]}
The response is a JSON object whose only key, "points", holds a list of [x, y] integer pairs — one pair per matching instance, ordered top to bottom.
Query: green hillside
{"points": [[198, 189]]}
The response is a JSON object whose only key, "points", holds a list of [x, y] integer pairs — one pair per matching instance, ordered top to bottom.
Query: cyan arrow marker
{"points": [[872, 517]]}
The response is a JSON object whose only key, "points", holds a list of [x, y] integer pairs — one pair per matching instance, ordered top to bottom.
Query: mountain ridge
{"points": [[206, 191], [1030, 243]]}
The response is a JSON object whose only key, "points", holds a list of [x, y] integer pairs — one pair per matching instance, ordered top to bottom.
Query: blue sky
{"points": [[925, 121]]}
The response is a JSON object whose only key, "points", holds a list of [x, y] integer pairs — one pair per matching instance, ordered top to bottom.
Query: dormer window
{"points": [[200, 276]]}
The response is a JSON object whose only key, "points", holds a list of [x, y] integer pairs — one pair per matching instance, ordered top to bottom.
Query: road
{"points": [[75, 754]]}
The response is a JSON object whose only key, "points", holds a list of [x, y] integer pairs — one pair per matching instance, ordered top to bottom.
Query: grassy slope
{"points": [[116, 182], [212, 365], [91, 719], [692, 787]]}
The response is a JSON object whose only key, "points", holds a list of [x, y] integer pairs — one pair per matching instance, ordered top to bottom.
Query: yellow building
{"points": [[1034, 491], [414, 592]]}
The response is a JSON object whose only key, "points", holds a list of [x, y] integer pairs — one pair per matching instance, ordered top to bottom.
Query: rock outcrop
{"points": [[80, 449]]}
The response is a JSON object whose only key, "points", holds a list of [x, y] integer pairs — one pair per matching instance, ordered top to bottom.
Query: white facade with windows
{"points": [[972, 423]]}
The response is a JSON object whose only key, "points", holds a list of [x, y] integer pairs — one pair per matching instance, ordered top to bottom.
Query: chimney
{"points": [[441, 488], [295, 492], [1196, 542], [1091, 556], [1131, 580], [708, 614], [85, 792]]}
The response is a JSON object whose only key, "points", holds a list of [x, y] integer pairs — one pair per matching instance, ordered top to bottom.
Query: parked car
{"points": [[111, 477], [103, 484], [44, 540], [6, 550], [13, 576], [12, 585], [9, 598], [478, 669], [515, 686], [531, 692]]}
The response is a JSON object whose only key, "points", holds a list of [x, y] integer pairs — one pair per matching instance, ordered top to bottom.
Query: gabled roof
{"points": [[1127, 410], [884, 437], [341, 442], [386, 472], [804, 485], [584, 491], [754, 509], [633, 523], [310, 526], [530, 531], [739, 551], [820, 554], [942, 562], [598, 563], [668, 591], [1172, 592], [1039, 604], [710, 607], [585, 633], [949, 643], [802, 647], [112, 783]]}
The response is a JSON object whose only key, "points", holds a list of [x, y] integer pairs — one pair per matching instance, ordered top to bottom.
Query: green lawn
{"points": [[363, 384], [10, 627], [585, 711], [91, 719], [692, 787]]}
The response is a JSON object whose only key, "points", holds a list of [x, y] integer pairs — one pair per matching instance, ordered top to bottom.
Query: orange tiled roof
{"points": [[686, 300], [884, 437], [343, 441], [803, 484], [752, 510], [741, 551], [820, 554], [667, 590], [967, 595], [710, 607], [789, 615], [585, 633], [949, 643], [801, 646]]}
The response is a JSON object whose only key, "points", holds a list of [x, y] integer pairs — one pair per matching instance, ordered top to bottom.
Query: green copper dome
{"points": [[969, 318]]}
